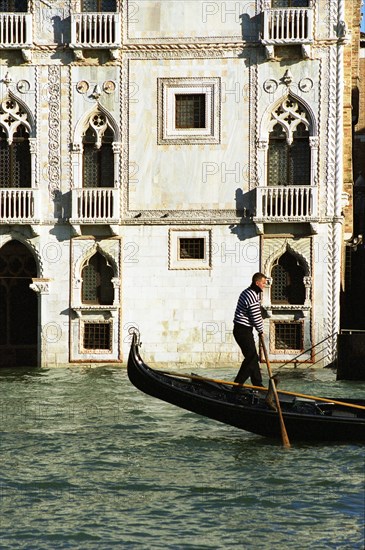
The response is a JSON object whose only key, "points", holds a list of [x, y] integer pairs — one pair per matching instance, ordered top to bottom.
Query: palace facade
{"points": [[154, 154]]}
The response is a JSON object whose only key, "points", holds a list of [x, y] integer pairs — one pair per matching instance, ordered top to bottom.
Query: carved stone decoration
{"points": [[306, 51], [270, 52], [27, 55], [287, 78], [7, 79], [305, 84], [23, 86], [82, 86], [109, 86], [270, 86], [96, 92], [289, 113], [13, 115], [54, 118], [262, 144], [274, 248], [40, 286]]}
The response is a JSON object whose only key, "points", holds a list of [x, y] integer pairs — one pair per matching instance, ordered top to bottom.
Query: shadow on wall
{"points": [[245, 206]]}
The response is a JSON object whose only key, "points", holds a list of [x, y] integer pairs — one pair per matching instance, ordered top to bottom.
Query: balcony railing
{"points": [[288, 26], [15, 30], [95, 30], [281, 204], [17, 205], [97, 205]]}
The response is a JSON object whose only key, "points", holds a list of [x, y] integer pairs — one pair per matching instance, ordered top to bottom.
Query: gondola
{"points": [[317, 419]]}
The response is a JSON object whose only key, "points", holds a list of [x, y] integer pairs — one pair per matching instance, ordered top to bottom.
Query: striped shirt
{"points": [[248, 310]]}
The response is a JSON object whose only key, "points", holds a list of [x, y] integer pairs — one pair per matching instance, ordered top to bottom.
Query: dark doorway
{"points": [[18, 307]]}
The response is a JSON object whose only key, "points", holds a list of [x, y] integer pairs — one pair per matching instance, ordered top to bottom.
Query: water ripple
{"points": [[89, 462]]}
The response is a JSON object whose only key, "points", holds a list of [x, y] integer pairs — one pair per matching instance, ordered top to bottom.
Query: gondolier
{"points": [[247, 317]]}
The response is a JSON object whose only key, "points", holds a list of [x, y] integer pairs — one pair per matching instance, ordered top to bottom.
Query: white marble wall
{"points": [[184, 315]]}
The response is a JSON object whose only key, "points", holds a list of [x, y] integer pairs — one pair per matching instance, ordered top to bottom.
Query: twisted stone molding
{"points": [[54, 122], [332, 141], [253, 179], [329, 291]]}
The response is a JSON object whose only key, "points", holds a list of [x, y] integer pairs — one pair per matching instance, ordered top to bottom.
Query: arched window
{"points": [[289, 153], [98, 156], [15, 161], [289, 164], [287, 281], [97, 287]]}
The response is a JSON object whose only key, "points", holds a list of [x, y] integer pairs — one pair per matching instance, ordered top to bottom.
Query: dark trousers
{"points": [[250, 367]]}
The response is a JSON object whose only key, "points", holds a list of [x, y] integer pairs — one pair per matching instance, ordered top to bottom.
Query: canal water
{"points": [[89, 462]]}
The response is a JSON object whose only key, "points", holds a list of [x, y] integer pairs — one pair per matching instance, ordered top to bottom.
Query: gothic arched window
{"points": [[289, 154], [98, 156], [15, 159], [289, 164], [287, 281], [97, 287]]}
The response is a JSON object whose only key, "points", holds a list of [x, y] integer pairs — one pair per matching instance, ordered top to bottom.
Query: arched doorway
{"points": [[18, 306]]}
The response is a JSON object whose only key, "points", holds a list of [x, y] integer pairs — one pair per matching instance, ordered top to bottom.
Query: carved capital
{"points": [[269, 52], [27, 55], [79, 55], [314, 142], [262, 144], [117, 147], [76, 148], [40, 286]]}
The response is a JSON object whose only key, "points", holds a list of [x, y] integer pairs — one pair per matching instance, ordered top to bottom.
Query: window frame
{"points": [[167, 90], [177, 262], [96, 351], [286, 351]]}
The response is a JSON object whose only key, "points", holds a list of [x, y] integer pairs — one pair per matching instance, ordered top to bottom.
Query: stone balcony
{"points": [[287, 26], [95, 31], [16, 32], [282, 204], [19, 206], [95, 206]]}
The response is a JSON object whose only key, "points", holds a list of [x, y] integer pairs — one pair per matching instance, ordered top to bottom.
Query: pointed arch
{"points": [[13, 113], [268, 121], [84, 122], [15, 236], [295, 251], [88, 253], [97, 286], [18, 305]]}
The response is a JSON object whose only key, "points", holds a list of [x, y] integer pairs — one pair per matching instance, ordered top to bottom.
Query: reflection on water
{"points": [[89, 462]]}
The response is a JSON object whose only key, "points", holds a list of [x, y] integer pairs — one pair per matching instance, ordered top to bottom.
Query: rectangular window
{"points": [[17, 6], [99, 6], [190, 110], [191, 249], [288, 335], [97, 336]]}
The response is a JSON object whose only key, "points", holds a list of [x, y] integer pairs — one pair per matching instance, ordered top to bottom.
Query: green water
{"points": [[88, 462]]}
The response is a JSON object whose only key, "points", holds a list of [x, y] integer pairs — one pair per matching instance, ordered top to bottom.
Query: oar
{"points": [[249, 386], [284, 435]]}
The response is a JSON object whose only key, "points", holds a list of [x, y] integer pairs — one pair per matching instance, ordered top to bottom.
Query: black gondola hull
{"points": [[245, 409]]}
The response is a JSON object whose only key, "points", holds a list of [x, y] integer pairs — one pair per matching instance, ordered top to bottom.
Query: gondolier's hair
{"points": [[257, 277]]}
